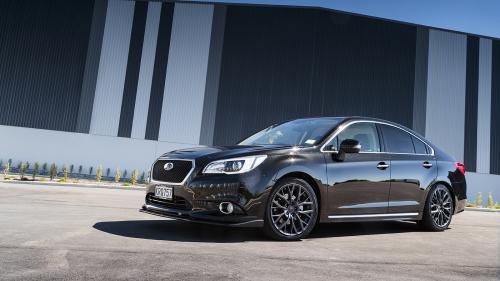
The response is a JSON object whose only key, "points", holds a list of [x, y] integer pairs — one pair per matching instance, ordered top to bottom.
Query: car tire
{"points": [[438, 209], [291, 211]]}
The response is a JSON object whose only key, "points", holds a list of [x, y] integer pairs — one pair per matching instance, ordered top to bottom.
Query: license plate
{"points": [[163, 192]]}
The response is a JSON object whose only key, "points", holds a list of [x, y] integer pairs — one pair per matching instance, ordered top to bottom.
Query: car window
{"points": [[365, 133], [397, 140], [420, 147]]}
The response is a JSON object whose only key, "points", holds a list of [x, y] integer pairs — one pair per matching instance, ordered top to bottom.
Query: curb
{"points": [[88, 185], [482, 210]]}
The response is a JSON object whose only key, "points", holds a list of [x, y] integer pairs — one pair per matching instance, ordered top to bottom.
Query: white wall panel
{"points": [[112, 68], [146, 71], [186, 73], [484, 107], [445, 118], [65, 148]]}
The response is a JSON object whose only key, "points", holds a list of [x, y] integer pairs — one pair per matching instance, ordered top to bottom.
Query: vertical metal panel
{"points": [[43, 49], [295, 63], [133, 65], [91, 67], [112, 68], [146, 71], [159, 72], [186, 73], [213, 76], [420, 88], [471, 88], [484, 107], [495, 109], [445, 119]]}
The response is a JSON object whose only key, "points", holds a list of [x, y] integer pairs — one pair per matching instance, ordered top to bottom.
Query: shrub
{"points": [[44, 168], [71, 168], [80, 168], [6, 169], [22, 170], [35, 170], [53, 171], [108, 171], [65, 173], [125, 173], [98, 175], [117, 175], [133, 177], [125, 184], [479, 199], [490, 199]]}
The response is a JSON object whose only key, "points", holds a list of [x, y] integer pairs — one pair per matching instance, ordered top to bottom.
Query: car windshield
{"points": [[301, 132]]}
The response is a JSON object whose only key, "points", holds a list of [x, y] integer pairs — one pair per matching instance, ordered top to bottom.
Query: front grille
{"points": [[177, 174], [177, 202]]}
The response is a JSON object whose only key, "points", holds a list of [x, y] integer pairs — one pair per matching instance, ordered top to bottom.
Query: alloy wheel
{"points": [[441, 207], [292, 209]]}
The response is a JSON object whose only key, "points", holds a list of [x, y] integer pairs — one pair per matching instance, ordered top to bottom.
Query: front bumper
{"points": [[198, 199], [200, 217]]}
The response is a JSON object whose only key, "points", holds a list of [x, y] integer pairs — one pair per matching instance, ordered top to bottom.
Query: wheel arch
{"points": [[310, 180], [450, 189]]}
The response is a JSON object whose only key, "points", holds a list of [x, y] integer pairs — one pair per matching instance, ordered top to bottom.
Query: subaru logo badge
{"points": [[168, 166]]}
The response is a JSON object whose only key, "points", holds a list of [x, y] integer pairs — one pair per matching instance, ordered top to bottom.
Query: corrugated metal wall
{"points": [[43, 47], [294, 63], [91, 67], [112, 68], [118, 68], [133, 68], [146, 71], [159, 71], [186, 73], [446, 92], [471, 94], [484, 107], [495, 109]]}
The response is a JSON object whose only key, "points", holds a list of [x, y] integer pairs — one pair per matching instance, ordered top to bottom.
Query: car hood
{"points": [[210, 153]]}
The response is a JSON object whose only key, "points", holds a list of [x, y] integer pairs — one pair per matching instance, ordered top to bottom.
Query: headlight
{"points": [[234, 165]]}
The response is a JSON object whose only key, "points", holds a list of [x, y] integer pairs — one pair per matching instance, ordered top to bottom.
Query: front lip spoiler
{"points": [[147, 209]]}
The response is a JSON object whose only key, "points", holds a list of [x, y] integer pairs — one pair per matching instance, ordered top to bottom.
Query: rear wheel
{"points": [[438, 209], [292, 210]]}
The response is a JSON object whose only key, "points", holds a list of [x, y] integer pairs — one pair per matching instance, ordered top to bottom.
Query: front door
{"points": [[359, 184]]}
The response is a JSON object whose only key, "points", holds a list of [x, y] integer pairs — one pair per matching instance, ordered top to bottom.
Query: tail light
{"points": [[460, 167]]}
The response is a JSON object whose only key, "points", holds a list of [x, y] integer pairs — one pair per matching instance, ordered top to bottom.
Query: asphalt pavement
{"points": [[82, 233]]}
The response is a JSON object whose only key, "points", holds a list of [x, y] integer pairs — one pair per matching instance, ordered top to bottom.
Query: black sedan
{"points": [[289, 177]]}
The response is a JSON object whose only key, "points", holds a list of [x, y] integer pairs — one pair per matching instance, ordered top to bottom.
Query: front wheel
{"points": [[438, 209], [292, 210]]}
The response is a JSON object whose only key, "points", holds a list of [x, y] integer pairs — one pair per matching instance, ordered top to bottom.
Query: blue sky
{"points": [[472, 16]]}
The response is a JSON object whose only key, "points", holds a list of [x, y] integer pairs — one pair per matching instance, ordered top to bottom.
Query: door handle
{"points": [[427, 165], [382, 166]]}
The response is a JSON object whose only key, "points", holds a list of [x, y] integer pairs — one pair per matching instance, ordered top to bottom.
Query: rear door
{"points": [[413, 168]]}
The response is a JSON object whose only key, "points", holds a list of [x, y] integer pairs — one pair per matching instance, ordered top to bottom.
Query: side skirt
{"points": [[375, 217]]}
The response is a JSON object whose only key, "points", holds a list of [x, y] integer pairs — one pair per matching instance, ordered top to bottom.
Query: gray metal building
{"points": [[119, 82]]}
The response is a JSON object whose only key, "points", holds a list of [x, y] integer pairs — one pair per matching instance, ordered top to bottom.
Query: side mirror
{"points": [[350, 146]]}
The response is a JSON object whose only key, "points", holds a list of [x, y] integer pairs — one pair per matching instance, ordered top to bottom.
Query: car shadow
{"points": [[172, 230]]}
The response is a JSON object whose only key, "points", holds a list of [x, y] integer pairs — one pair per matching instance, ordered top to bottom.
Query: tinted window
{"points": [[365, 133], [397, 140], [420, 147]]}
